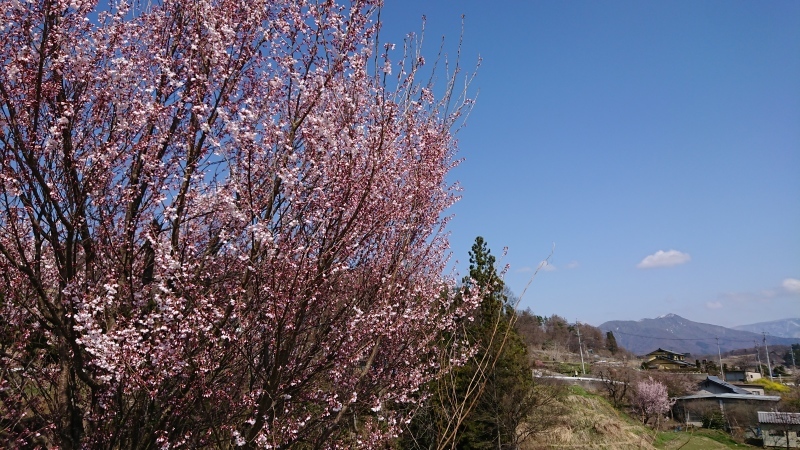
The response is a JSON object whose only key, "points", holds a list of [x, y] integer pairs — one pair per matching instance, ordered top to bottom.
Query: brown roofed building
{"points": [[666, 360]]}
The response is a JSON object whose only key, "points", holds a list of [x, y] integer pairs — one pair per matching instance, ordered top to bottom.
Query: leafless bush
{"points": [[616, 383]]}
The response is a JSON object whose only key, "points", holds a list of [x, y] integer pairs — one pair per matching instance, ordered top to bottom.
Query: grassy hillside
{"points": [[592, 423]]}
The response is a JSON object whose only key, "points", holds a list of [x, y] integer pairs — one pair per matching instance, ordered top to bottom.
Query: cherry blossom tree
{"points": [[222, 224], [650, 399]]}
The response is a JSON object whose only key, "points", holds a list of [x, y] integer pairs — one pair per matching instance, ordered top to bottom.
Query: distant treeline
{"points": [[555, 334]]}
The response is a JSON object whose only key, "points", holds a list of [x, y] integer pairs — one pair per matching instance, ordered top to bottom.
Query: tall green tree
{"points": [[482, 402], [497, 414]]}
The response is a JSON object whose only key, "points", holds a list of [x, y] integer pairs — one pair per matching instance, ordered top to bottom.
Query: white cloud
{"points": [[664, 259], [572, 265], [546, 266], [525, 269], [792, 285], [714, 305]]}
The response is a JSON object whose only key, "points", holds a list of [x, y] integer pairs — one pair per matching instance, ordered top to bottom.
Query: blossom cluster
{"points": [[222, 224]]}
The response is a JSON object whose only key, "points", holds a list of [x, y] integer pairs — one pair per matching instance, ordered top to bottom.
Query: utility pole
{"points": [[580, 346], [766, 350], [719, 353], [758, 354]]}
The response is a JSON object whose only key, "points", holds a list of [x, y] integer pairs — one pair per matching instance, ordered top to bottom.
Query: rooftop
{"points": [[666, 351], [672, 361], [730, 387], [748, 396], [779, 417]]}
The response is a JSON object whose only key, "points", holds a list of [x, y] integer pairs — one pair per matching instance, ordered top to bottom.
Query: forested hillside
{"points": [[553, 338]]}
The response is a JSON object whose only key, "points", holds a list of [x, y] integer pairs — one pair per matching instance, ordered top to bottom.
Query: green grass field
{"points": [[701, 439]]}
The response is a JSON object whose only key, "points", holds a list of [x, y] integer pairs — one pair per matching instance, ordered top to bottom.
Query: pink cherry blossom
{"points": [[222, 224], [650, 399]]}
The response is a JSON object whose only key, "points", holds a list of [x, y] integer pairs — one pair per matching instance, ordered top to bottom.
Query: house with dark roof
{"points": [[666, 360], [714, 385], [756, 389], [712, 395], [778, 427]]}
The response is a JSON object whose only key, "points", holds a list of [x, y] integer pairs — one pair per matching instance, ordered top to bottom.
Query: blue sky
{"points": [[618, 130]]}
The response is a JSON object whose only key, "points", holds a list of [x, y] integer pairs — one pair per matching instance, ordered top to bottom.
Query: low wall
{"points": [[588, 383]]}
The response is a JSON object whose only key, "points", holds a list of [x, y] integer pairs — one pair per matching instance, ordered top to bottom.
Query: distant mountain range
{"points": [[788, 328], [673, 332]]}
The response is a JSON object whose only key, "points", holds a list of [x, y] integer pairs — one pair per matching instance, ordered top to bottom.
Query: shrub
{"points": [[773, 386]]}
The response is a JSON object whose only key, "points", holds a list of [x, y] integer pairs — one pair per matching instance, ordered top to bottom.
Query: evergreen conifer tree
{"points": [[487, 397]]}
